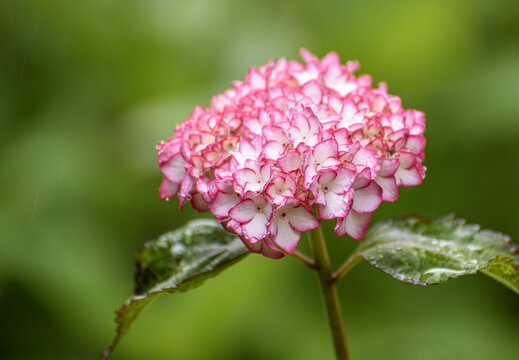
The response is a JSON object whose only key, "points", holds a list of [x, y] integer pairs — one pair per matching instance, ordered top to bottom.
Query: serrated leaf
{"points": [[426, 252], [177, 261]]}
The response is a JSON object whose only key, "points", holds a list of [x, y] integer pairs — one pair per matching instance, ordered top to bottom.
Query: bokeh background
{"points": [[89, 87]]}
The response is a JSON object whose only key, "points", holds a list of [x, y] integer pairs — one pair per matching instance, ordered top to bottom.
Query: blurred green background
{"points": [[89, 87]]}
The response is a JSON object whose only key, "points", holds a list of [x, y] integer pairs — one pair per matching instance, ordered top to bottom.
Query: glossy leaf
{"points": [[426, 252], [177, 261]]}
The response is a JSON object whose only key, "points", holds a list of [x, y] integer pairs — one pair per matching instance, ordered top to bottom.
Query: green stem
{"points": [[304, 259], [353, 260], [329, 289]]}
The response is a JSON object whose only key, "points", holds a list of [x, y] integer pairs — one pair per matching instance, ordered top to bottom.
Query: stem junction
{"points": [[329, 290]]}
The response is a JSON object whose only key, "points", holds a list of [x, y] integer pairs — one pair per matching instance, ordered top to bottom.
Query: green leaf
{"points": [[426, 252], [177, 261]]}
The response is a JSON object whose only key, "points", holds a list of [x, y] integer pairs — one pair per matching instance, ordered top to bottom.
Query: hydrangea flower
{"points": [[293, 144]]}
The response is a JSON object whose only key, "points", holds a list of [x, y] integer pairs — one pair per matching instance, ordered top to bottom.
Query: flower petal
{"points": [[256, 80], [312, 89], [415, 143], [273, 150], [325, 150], [367, 158], [290, 162], [388, 167], [174, 169], [408, 177], [248, 179], [362, 179], [343, 182], [389, 187], [280, 188], [168, 189], [367, 199], [223, 202], [199, 204], [336, 205], [244, 211], [301, 219], [355, 225], [256, 228], [284, 236], [254, 247], [270, 250]]}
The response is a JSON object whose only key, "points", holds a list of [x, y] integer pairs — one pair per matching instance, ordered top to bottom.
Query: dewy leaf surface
{"points": [[426, 252], [177, 261]]}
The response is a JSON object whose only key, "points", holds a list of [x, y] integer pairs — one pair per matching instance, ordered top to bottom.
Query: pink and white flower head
{"points": [[293, 144]]}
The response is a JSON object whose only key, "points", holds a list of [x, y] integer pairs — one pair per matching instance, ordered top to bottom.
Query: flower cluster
{"points": [[291, 145]]}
